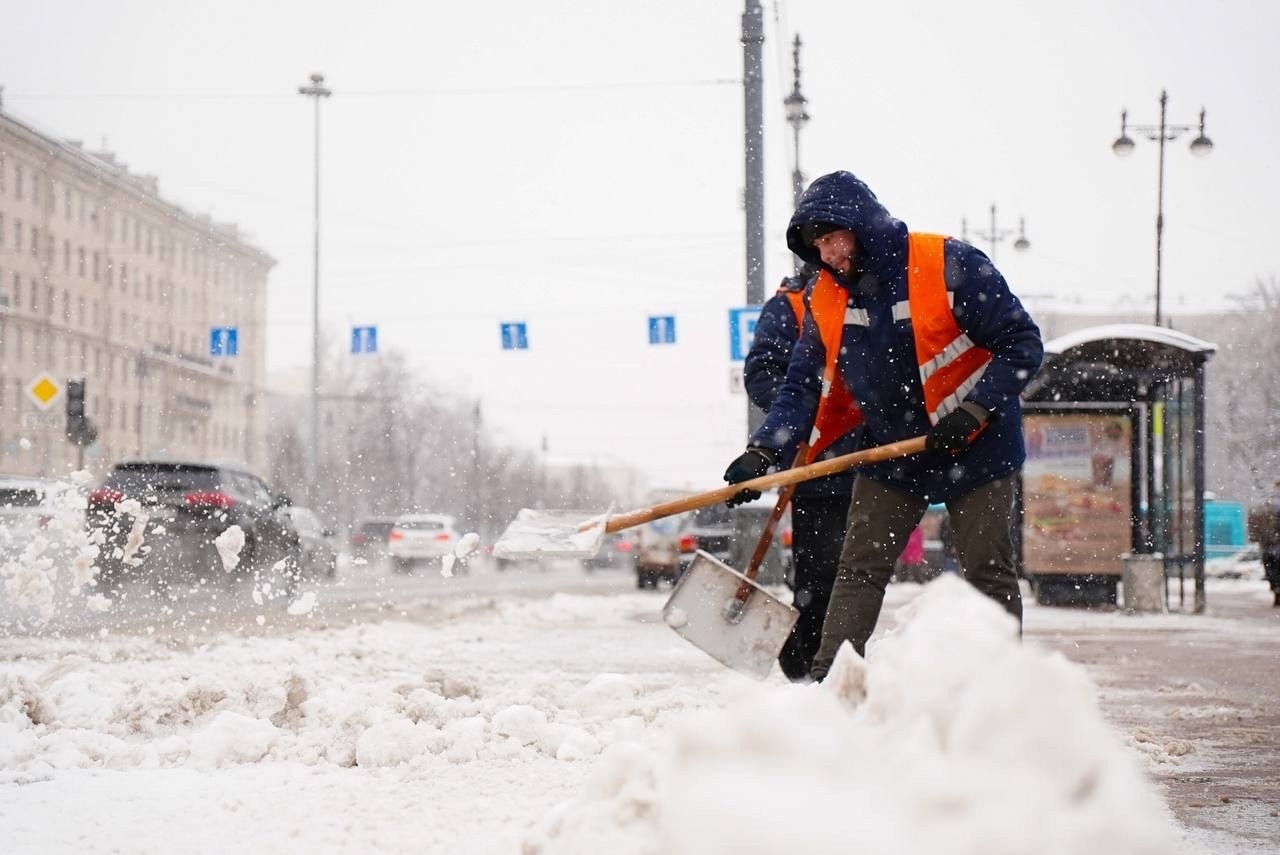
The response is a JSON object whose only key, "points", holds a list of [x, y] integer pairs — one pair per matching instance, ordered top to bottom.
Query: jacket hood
{"points": [[842, 198]]}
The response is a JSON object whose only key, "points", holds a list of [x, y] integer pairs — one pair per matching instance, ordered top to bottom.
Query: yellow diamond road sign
{"points": [[44, 390]]}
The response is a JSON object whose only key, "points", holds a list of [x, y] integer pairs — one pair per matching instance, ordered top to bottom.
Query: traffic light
{"points": [[75, 399], [81, 431]]}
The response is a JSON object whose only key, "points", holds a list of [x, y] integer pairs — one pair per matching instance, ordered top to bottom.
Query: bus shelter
{"points": [[1115, 470]]}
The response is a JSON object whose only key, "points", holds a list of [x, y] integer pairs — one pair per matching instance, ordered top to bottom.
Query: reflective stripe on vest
{"points": [[950, 363]]}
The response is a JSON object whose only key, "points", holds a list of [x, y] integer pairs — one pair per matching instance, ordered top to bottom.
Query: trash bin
{"points": [[1143, 582]]}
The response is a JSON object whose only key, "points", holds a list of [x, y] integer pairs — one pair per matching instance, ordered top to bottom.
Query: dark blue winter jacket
{"points": [[879, 360], [763, 374]]}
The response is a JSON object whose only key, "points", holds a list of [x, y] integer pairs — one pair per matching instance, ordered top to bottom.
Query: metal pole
{"points": [[316, 90], [1164, 97], [753, 109], [753, 141], [994, 235], [1198, 464]]}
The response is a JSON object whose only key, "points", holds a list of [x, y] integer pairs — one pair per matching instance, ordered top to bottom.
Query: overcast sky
{"points": [[577, 165]]}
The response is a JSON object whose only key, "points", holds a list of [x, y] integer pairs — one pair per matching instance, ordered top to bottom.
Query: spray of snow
{"points": [[133, 543], [229, 544], [466, 545], [83, 565], [446, 566], [28, 581], [304, 604]]}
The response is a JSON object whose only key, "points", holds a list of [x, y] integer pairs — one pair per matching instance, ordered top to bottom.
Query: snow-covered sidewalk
{"points": [[568, 723]]}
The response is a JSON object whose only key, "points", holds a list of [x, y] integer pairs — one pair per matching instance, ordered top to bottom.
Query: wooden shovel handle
{"points": [[902, 448]]}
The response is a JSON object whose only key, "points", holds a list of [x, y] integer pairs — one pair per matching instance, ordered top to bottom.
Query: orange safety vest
{"points": [[950, 363]]}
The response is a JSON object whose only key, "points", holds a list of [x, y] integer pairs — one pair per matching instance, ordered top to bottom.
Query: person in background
{"points": [[926, 338], [819, 507], [1264, 529], [910, 566]]}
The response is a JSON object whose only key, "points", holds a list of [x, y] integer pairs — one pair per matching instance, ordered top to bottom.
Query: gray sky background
{"points": [[578, 166]]}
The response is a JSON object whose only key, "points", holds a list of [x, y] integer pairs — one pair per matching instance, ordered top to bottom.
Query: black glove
{"points": [[953, 433], [752, 463]]}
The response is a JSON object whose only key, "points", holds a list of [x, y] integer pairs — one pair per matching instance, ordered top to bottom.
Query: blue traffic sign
{"points": [[662, 329], [742, 329], [515, 336], [364, 339], [224, 341]]}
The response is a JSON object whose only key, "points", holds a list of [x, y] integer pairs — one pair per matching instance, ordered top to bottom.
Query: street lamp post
{"points": [[316, 90], [797, 117], [1123, 147], [994, 235]]}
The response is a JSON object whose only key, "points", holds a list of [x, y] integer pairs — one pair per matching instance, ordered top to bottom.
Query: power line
{"points": [[551, 88]]}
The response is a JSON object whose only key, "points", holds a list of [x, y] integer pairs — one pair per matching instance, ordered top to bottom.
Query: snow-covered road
{"points": [[552, 711]]}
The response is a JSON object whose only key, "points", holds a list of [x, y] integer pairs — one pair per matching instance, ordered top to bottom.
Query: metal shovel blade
{"points": [[552, 534], [704, 610]]}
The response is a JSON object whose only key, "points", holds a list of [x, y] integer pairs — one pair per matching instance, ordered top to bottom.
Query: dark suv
{"points": [[187, 506]]}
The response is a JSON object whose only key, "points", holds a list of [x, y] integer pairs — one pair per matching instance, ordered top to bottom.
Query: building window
{"points": [[1, 174], [17, 181], [35, 189], [66, 198], [1, 231], [17, 235], [35, 242], [66, 256], [81, 262], [97, 271], [17, 291], [35, 296]]}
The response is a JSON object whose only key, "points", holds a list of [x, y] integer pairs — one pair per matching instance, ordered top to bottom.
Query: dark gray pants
{"points": [[880, 520]]}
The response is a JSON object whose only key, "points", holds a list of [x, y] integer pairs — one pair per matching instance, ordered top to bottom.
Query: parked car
{"points": [[187, 506], [38, 507], [730, 535], [420, 537], [369, 538], [617, 552], [318, 553], [1245, 563]]}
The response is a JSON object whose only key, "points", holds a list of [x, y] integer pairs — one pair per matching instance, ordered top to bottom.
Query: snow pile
{"points": [[372, 696], [953, 738]]}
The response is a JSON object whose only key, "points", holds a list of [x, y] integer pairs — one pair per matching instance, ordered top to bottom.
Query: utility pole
{"points": [[316, 90], [753, 114]]}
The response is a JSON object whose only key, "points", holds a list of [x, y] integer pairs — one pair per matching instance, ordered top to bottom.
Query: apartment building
{"points": [[102, 279]]}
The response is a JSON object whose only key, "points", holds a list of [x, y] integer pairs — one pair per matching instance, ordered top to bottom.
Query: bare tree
{"points": [[1244, 396], [393, 443]]}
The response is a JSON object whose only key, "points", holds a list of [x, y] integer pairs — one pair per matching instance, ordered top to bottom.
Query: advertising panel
{"points": [[1076, 492]]}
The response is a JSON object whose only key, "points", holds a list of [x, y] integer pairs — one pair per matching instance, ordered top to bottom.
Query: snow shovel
{"points": [[576, 534], [709, 606]]}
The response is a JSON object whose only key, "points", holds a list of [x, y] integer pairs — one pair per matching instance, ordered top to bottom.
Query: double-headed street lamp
{"points": [[316, 90], [797, 117], [1123, 147], [994, 235]]}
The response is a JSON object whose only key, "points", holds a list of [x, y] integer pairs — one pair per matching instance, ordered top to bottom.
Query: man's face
{"points": [[838, 250]]}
